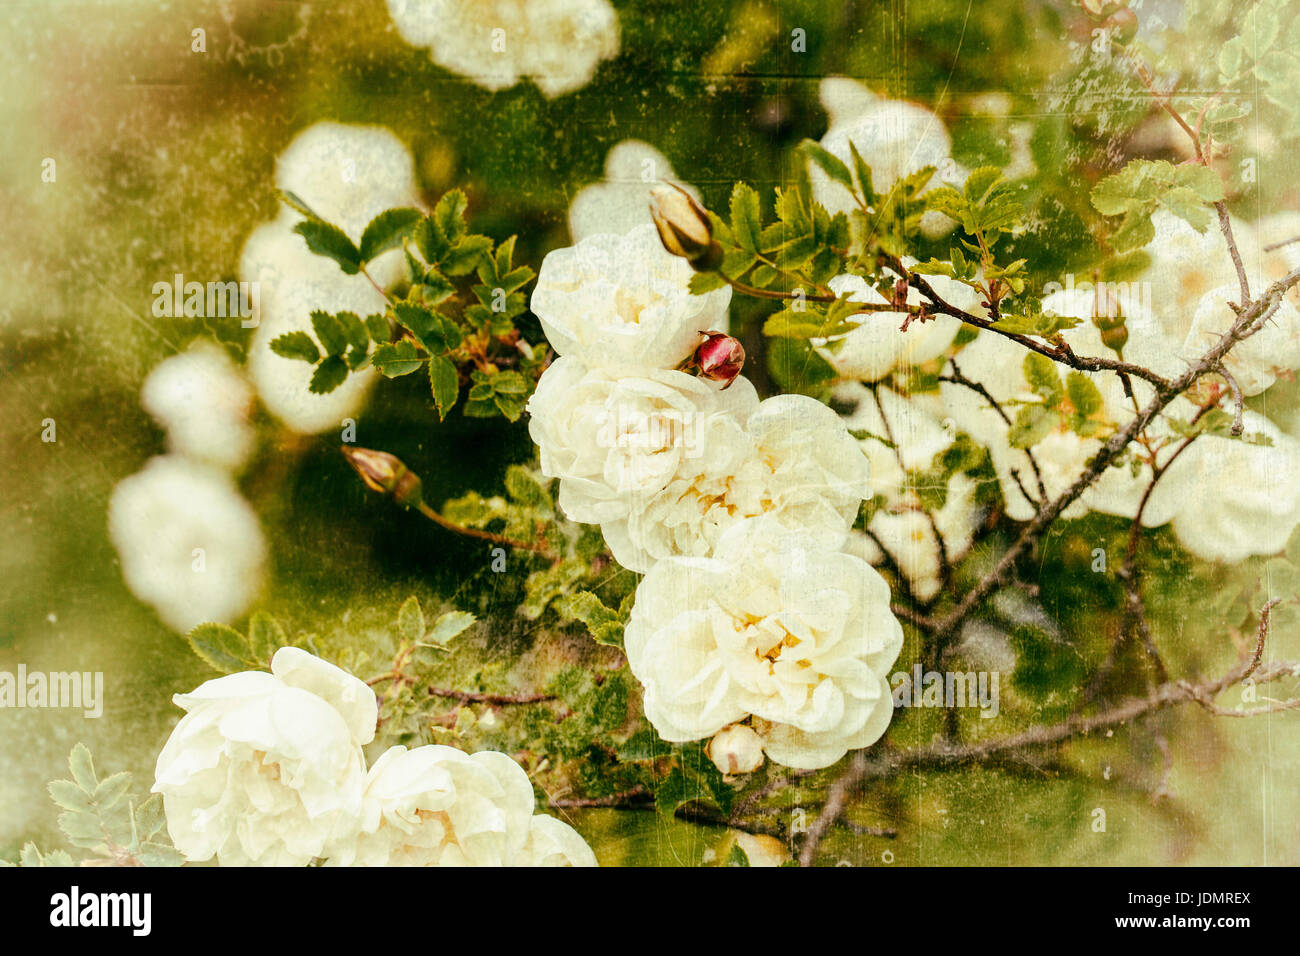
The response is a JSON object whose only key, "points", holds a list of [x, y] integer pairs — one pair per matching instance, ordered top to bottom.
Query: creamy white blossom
{"points": [[558, 44], [894, 138], [347, 175], [621, 201], [1186, 265], [623, 301], [879, 345], [1258, 360], [203, 402], [610, 437], [904, 438], [794, 461], [1238, 498], [188, 543], [797, 640], [736, 749], [267, 769], [438, 806]]}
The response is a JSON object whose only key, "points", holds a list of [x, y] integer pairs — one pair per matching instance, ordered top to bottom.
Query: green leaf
{"points": [[829, 163], [864, 174], [1201, 180], [980, 182], [296, 203], [1189, 207], [449, 215], [746, 217], [387, 230], [1134, 232], [330, 241], [463, 257], [702, 282], [378, 328], [329, 330], [296, 345], [396, 359], [1040, 373], [329, 375], [509, 382], [445, 384], [1084, 395], [511, 406], [1032, 424], [527, 490], [410, 619], [602, 622], [450, 625], [265, 637], [220, 647], [82, 766], [677, 790], [69, 796], [737, 856]]}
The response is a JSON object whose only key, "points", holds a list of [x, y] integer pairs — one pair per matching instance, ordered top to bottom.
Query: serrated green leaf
{"points": [[829, 163], [863, 172], [980, 182], [1187, 206], [449, 215], [746, 218], [387, 230], [331, 242], [464, 256], [702, 282], [296, 345], [396, 359], [1040, 372], [329, 375], [444, 383], [1031, 425], [410, 619], [449, 626], [265, 636], [220, 647], [82, 767], [68, 796]]}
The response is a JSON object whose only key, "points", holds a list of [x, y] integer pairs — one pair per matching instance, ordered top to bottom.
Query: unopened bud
{"points": [[684, 227], [719, 358], [385, 474], [736, 749]]}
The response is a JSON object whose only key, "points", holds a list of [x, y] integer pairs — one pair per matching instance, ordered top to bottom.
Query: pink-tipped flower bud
{"points": [[684, 227], [720, 358], [385, 474], [736, 749]]}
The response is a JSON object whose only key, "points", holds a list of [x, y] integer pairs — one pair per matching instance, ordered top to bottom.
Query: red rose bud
{"points": [[684, 227], [719, 358], [385, 474]]}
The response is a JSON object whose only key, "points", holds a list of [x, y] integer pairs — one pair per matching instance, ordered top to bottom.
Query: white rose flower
{"points": [[558, 44], [894, 138], [348, 175], [621, 202], [1277, 264], [1186, 265], [622, 301], [878, 345], [1254, 362], [203, 402], [610, 438], [1062, 455], [796, 462], [1238, 499], [902, 533], [188, 543], [798, 639], [266, 769], [438, 806]]}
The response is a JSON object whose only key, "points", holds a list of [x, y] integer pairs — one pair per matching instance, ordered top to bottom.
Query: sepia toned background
{"points": [[165, 161]]}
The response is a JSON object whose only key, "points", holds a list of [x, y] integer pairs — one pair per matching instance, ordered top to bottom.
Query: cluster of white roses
{"points": [[558, 44], [1226, 499], [188, 542], [751, 626], [268, 770]]}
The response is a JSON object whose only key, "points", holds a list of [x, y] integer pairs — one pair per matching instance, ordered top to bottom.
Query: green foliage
{"points": [[1143, 186], [461, 329], [224, 649], [104, 817]]}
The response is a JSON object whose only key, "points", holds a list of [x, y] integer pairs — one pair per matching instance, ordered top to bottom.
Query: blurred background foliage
{"points": [[165, 162]]}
